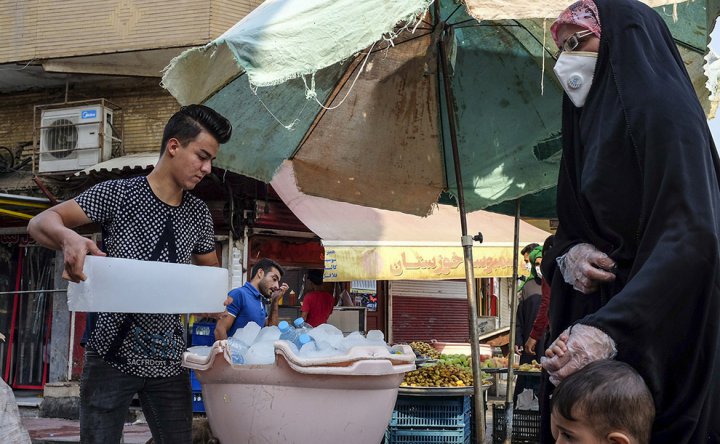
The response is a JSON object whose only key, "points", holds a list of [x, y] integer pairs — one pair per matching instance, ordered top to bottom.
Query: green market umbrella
{"points": [[378, 108], [388, 144]]}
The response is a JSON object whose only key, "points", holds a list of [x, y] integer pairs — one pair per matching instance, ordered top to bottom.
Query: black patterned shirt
{"points": [[136, 224]]}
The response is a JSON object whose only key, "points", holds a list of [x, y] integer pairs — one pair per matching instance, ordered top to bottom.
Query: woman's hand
{"points": [[585, 268]]}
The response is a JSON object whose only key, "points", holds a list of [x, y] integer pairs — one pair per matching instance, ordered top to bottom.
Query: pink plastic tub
{"points": [[344, 400]]}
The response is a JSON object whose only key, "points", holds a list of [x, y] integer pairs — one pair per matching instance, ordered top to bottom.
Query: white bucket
{"points": [[132, 286]]}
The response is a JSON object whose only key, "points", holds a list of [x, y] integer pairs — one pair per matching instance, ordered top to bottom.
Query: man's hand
{"points": [[75, 248], [585, 268], [278, 293], [530, 346], [574, 349]]}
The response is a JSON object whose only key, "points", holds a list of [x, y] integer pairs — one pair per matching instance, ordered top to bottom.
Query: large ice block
{"points": [[132, 286]]}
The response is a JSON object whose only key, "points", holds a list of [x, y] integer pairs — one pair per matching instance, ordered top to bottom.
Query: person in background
{"points": [[151, 218], [526, 254], [635, 267], [247, 301], [317, 303], [526, 312], [540, 326], [605, 402]]}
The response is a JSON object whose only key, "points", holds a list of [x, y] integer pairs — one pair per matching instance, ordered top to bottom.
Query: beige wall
{"points": [[42, 29], [146, 108]]}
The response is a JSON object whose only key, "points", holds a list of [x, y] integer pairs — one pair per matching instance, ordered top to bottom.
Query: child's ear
{"points": [[618, 438]]}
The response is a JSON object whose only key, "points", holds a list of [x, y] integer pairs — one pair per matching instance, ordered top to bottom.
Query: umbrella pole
{"points": [[467, 243], [513, 321]]}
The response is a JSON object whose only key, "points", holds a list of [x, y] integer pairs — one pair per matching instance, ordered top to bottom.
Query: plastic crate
{"points": [[203, 333], [194, 383], [197, 401], [432, 412], [526, 425], [395, 435]]}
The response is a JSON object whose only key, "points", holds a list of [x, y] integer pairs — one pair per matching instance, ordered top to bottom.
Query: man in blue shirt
{"points": [[247, 301]]}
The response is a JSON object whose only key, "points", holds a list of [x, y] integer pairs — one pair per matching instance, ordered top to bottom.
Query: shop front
{"points": [[26, 282]]}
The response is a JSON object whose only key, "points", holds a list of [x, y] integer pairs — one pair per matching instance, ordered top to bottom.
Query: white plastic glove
{"points": [[585, 267], [576, 347]]}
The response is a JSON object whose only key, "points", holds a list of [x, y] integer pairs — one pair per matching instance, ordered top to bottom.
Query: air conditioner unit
{"points": [[74, 138]]}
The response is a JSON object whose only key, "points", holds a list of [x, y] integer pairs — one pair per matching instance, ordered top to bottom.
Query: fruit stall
{"points": [[434, 403]]}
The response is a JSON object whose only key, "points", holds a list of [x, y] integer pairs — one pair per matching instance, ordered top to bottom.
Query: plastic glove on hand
{"points": [[585, 267], [584, 345]]}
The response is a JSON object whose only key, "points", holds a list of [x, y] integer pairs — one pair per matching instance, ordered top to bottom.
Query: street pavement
{"points": [[56, 431]]}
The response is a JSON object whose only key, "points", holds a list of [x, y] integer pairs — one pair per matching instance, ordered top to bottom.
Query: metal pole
{"points": [[467, 243], [33, 291], [513, 320]]}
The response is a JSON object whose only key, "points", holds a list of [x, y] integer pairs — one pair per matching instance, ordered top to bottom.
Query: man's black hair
{"points": [[186, 124], [528, 248], [266, 265], [315, 276], [611, 396]]}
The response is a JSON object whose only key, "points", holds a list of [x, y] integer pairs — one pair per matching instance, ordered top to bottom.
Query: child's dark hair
{"points": [[186, 124], [266, 265], [611, 395]]}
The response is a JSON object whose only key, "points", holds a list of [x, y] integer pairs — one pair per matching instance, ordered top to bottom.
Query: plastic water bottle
{"points": [[301, 326], [287, 332], [305, 339], [237, 350]]}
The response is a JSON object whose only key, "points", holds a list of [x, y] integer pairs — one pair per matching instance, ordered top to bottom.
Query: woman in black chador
{"points": [[635, 270]]}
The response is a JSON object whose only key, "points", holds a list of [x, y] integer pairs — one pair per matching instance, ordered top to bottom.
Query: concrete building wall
{"points": [[43, 29], [146, 107]]}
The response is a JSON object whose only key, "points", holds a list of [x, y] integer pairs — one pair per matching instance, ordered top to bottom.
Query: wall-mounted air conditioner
{"points": [[74, 138]]}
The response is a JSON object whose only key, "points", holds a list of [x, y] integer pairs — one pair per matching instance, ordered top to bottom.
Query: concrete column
{"points": [[60, 333]]}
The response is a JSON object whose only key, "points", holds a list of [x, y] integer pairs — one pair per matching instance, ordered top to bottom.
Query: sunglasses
{"points": [[572, 42]]}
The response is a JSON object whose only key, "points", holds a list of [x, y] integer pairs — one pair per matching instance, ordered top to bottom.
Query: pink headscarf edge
{"points": [[581, 13]]}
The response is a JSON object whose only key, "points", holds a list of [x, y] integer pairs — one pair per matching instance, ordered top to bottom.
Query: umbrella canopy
{"points": [[276, 73]]}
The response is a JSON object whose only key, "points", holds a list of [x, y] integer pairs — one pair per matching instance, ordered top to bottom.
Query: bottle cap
{"points": [[304, 338]]}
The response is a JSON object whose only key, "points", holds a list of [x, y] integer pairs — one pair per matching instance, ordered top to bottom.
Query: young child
{"points": [[604, 402]]}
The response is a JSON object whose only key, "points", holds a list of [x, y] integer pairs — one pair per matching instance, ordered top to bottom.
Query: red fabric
{"points": [[318, 305], [541, 320]]}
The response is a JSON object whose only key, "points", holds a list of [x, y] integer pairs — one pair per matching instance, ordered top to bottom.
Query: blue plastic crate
{"points": [[203, 333], [196, 386], [197, 402], [432, 412], [401, 435]]}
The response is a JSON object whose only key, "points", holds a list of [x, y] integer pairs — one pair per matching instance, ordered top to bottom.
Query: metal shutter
{"points": [[425, 310]]}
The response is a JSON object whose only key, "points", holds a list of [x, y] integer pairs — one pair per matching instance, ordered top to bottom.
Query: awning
{"points": [[127, 162], [364, 243]]}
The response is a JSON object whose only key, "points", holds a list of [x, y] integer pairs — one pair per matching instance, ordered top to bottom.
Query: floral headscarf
{"points": [[581, 13]]}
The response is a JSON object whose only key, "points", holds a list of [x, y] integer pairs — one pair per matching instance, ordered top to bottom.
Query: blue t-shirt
{"points": [[247, 306]]}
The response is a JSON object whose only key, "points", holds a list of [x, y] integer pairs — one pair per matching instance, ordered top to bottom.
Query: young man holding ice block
{"points": [[149, 218], [247, 303]]}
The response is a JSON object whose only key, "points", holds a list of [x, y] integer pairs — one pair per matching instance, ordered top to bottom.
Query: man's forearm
{"points": [[48, 230], [273, 317], [224, 323], [220, 333]]}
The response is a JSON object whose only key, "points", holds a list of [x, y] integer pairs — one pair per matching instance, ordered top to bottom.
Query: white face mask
{"points": [[575, 71], [528, 266], [538, 272]]}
